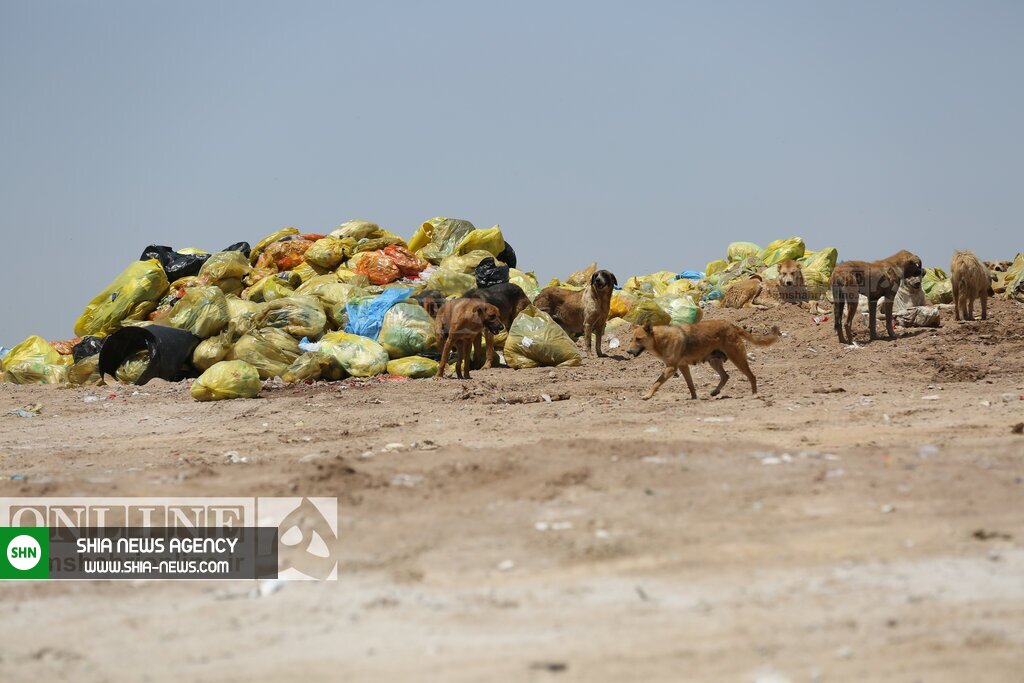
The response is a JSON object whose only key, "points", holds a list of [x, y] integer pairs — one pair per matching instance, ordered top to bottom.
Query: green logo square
{"points": [[26, 552]]}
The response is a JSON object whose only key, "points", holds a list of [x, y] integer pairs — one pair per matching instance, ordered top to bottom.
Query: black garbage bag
{"points": [[240, 246], [508, 255], [175, 265], [489, 273], [89, 346], [167, 351]]}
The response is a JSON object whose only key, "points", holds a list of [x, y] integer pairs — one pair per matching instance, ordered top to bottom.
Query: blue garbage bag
{"points": [[690, 275], [366, 315]]}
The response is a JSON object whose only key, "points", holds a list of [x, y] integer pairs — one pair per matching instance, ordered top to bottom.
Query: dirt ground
{"points": [[860, 520]]}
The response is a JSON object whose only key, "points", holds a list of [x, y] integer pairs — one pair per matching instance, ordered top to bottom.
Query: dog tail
{"points": [[761, 339]]}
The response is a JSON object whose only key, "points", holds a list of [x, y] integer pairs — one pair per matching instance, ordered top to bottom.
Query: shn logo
{"points": [[307, 535], [26, 553]]}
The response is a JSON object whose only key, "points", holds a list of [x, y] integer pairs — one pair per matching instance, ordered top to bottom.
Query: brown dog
{"points": [[875, 280], [971, 280], [789, 287], [742, 294], [583, 312], [462, 322], [711, 341]]}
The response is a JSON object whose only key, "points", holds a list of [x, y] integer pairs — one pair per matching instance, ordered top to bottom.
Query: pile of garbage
{"points": [[306, 307]]}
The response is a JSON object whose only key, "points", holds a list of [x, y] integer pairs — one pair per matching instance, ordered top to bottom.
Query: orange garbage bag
{"points": [[286, 254], [408, 263], [378, 268]]}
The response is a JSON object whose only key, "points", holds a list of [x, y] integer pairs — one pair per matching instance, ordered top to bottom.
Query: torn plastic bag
{"points": [[439, 237], [175, 264], [488, 273], [131, 296], [203, 311], [366, 315], [299, 316], [407, 330], [537, 340], [88, 346], [267, 349], [170, 351], [360, 356], [34, 361], [314, 365], [413, 367], [226, 380]]}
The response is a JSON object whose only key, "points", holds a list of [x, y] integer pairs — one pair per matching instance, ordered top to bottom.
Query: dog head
{"points": [[912, 265], [998, 266], [790, 274], [603, 280], [913, 282], [431, 300], [490, 316], [643, 339]]}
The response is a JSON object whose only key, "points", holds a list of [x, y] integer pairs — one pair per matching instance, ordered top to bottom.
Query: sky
{"points": [[645, 136]]}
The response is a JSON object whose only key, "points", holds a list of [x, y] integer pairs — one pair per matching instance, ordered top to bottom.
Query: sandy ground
{"points": [[861, 520]]}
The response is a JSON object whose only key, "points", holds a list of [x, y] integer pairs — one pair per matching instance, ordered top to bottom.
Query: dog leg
{"points": [[956, 300], [984, 306], [887, 310], [851, 312], [837, 314], [872, 320], [587, 329], [599, 332], [489, 338], [446, 347], [478, 352], [738, 356], [465, 359], [666, 375], [723, 376], [689, 381]]}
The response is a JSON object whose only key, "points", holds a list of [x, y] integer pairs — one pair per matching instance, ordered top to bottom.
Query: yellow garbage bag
{"points": [[439, 237], [268, 240], [489, 240], [782, 250], [738, 251], [328, 252], [465, 263], [225, 266], [715, 267], [817, 267], [581, 278], [1014, 279], [526, 281], [451, 283], [653, 284], [682, 286], [938, 288], [268, 289], [131, 296], [620, 305], [681, 308], [203, 311], [647, 311], [299, 316], [407, 330], [536, 340], [215, 348], [269, 350], [360, 356], [34, 361], [314, 365], [132, 367], [413, 367], [86, 372], [225, 380]]}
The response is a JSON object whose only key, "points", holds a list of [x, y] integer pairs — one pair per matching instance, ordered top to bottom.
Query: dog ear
{"points": [[593, 278], [615, 282], [648, 327]]}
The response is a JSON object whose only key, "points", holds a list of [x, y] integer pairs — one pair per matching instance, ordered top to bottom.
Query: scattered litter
{"points": [[613, 344], [930, 397], [91, 398], [985, 404], [722, 418], [652, 430], [425, 445], [393, 446], [927, 450], [233, 458], [18, 477], [408, 480], [886, 509], [601, 533], [506, 566], [267, 587]]}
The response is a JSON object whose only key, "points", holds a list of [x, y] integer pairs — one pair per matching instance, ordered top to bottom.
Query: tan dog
{"points": [[998, 266], [875, 280], [971, 280], [789, 287], [743, 293], [583, 312], [462, 323], [711, 341]]}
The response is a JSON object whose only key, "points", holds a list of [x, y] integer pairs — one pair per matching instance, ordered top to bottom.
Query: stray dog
{"points": [[998, 266], [875, 280], [971, 280], [789, 287], [742, 294], [508, 297], [431, 300], [583, 312], [462, 322], [711, 341]]}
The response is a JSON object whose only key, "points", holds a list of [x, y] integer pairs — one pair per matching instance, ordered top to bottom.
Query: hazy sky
{"points": [[643, 135]]}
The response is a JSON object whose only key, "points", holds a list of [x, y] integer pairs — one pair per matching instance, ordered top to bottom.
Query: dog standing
{"points": [[875, 280], [971, 280], [583, 312], [462, 322], [711, 341]]}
